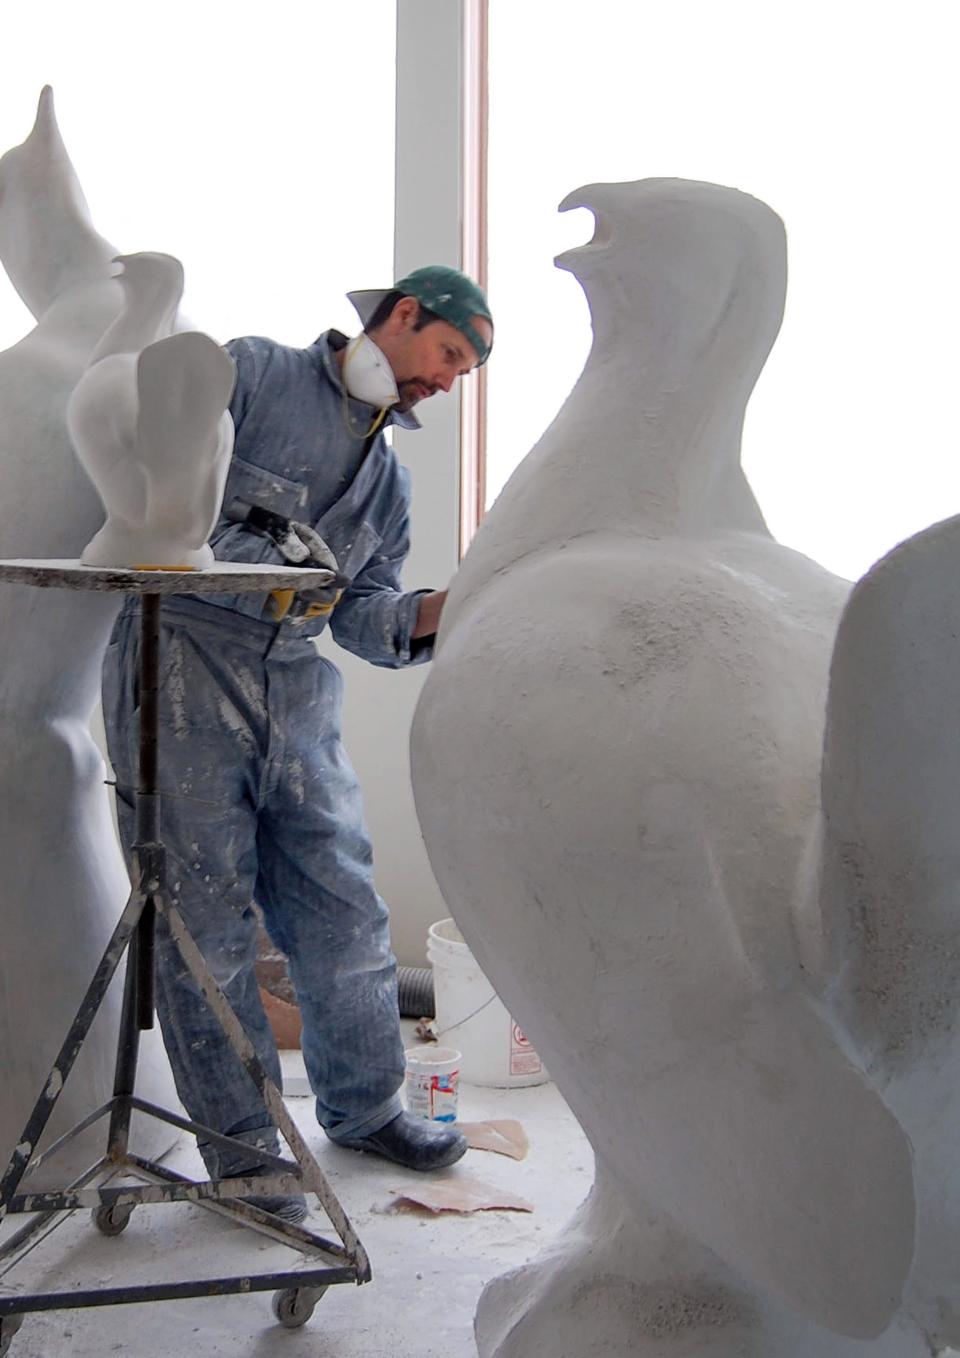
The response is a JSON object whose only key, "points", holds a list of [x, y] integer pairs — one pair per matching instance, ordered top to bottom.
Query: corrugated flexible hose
{"points": [[415, 992]]}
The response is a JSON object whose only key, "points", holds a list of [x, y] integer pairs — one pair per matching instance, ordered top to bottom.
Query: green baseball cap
{"points": [[446, 292]]}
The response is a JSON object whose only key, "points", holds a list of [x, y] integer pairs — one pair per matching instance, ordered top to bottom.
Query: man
{"points": [[259, 800]]}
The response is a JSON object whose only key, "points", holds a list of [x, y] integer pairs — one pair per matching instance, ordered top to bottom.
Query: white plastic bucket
{"points": [[469, 1013], [431, 1082]]}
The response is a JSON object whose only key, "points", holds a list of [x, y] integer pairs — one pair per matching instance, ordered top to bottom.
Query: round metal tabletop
{"points": [[223, 577]]}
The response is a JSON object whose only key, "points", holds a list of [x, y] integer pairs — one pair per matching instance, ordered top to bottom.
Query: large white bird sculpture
{"points": [[63, 883], [746, 988]]}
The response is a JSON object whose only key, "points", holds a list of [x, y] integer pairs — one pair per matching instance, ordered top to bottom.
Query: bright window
{"points": [[843, 118], [254, 143]]}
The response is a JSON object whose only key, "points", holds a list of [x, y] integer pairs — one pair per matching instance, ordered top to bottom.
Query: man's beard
{"points": [[412, 390]]}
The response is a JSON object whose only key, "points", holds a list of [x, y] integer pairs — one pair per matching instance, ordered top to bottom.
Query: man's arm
{"points": [[428, 614], [376, 619]]}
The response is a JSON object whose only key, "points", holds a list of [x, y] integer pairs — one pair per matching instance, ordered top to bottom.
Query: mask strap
{"points": [[351, 428]]}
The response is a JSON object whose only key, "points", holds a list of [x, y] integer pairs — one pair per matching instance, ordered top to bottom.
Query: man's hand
{"points": [[297, 542], [302, 546], [318, 602], [428, 618]]}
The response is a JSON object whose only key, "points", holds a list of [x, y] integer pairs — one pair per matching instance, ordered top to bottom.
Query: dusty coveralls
{"points": [[259, 801]]}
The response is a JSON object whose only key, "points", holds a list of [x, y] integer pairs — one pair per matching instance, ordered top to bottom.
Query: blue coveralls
{"points": [[259, 801]]}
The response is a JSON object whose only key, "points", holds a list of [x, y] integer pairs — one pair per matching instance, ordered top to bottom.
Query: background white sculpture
{"points": [[149, 423], [616, 760], [63, 882]]}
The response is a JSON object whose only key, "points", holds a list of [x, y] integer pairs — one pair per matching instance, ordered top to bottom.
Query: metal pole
{"points": [[148, 803], [150, 858], [136, 1013]]}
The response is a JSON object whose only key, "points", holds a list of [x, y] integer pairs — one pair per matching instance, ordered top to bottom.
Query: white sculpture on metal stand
{"points": [[149, 423], [64, 882], [746, 989]]}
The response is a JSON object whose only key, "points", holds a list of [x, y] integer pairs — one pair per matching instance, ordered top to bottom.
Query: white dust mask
{"points": [[367, 375]]}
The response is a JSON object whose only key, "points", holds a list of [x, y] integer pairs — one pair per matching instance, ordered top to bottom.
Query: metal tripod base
{"points": [[330, 1261]]}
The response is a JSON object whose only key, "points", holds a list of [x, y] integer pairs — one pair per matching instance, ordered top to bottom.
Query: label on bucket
{"points": [[523, 1059], [432, 1096]]}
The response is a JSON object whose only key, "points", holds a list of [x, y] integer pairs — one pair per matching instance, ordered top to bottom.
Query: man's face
{"points": [[428, 360]]}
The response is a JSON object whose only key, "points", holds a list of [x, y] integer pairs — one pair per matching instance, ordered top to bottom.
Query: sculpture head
{"points": [[47, 241], [148, 268], [685, 273], [152, 285]]}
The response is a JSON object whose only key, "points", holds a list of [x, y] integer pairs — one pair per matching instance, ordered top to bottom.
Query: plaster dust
{"points": [[428, 1269]]}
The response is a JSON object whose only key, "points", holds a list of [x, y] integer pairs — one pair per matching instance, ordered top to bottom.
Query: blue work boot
{"points": [[415, 1143], [291, 1207]]}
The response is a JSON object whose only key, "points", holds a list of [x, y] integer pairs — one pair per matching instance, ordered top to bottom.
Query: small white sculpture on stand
{"points": [[149, 423], [63, 883], [746, 990]]}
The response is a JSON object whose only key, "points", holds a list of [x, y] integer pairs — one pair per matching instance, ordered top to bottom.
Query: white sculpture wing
{"points": [[184, 383], [101, 418], [891, 783], [889, 904]]}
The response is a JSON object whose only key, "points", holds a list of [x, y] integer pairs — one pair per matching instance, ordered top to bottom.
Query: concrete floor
{"points": [[428, 1270]]}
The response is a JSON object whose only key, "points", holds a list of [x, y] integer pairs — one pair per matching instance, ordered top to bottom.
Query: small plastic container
{"points": [[433, 1077]]}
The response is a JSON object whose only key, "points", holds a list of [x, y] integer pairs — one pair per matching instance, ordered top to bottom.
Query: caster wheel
{"points": [[112, 1220], [293, 1306], [8, 1328]]}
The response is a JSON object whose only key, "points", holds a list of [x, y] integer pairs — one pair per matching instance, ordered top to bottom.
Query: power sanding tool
{"points": [[299, 545]]}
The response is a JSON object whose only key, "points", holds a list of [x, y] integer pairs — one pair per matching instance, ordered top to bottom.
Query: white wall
{"points": [[379, 704]]}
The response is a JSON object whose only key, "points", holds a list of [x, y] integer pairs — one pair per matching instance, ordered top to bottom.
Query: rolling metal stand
{"points": [[329, 1261]]}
